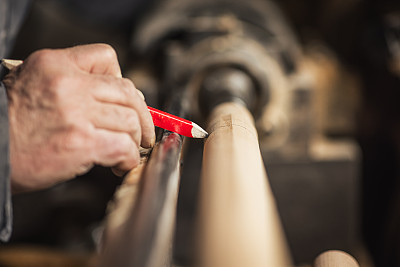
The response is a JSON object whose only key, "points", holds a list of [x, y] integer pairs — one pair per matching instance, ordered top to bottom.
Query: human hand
{"points": [[70, 109]]}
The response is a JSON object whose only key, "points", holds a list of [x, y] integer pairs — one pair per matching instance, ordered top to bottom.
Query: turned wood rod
{"points": [[238, 223], [335, 258]]}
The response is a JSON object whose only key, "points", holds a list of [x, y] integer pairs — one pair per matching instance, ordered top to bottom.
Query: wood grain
{"points": [[237, 219]]}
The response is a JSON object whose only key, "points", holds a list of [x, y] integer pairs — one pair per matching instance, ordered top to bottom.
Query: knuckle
{"points": [[108, 51], [41, 58], [46, 61], [57, 82], [127, 82], [127, 86], [57, 90], [132, 120], [136, 135], [75, 139], [122, 147]]}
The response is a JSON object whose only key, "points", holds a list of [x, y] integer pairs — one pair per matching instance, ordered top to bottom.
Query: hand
{"points": [[70, 109]]}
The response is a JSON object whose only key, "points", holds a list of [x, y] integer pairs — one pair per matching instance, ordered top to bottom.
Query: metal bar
{"points": [[238, 221], [143, 235]]}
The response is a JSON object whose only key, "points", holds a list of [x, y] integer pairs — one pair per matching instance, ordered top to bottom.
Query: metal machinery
{"points": [[196, 55]]}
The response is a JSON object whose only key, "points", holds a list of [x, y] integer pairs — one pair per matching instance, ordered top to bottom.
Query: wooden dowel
{"points": [[237, 218], [335, 258]]}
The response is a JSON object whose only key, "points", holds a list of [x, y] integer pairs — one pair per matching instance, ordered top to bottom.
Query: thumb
{"points": [[96, 59]]}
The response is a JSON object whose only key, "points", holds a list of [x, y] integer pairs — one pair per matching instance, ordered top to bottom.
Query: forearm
{"points": [[5, 192]]}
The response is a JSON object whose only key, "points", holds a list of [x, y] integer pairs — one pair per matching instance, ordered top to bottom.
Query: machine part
{"points": [[192, 21], [193, 38], [226, 85], [314, 176], [237, 218], [141, 232]]}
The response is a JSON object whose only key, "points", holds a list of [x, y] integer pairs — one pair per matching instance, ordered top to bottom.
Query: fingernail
{"points": [[149, 144], [118, 172]]}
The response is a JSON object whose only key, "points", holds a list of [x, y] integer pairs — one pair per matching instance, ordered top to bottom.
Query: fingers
{"points": [[96, 58], [124, 93], [70, 109], [119, 119], [115, 149]]}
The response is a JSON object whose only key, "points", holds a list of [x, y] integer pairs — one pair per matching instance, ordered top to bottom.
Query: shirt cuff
{"points": [[5, 190]]}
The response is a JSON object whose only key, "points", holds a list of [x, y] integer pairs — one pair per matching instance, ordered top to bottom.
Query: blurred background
{"points": [[328, 119]]}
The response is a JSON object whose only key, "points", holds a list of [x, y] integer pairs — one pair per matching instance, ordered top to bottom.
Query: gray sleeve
{"points": [[5, 191]]}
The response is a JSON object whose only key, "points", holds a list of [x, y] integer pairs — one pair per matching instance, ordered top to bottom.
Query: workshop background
{"points": [[331, 152]]}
